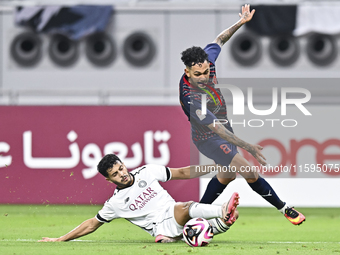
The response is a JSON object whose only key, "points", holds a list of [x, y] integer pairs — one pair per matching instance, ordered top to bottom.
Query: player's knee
{"points": [[252, 179], [226, 181], [187, 204], [184, 205], [182, 214]]}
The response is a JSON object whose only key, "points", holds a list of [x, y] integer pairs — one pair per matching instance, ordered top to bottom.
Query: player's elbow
{"points": [[215, 127], [184, 173]]}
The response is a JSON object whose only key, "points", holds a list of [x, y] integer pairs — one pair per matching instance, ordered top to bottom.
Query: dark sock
{"points": [[262, 187], [214, 189]]}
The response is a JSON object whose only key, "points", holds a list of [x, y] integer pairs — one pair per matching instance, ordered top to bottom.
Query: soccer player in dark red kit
{"points": [[213, 139]]}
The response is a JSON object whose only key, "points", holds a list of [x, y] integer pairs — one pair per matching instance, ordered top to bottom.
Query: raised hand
{"points": [[246, 14]]}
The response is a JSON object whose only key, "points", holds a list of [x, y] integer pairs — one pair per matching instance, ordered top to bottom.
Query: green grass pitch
{"points": [[257, 231]]}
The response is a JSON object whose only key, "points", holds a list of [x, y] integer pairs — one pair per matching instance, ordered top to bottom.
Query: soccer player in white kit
{"points": [[140, 199]]}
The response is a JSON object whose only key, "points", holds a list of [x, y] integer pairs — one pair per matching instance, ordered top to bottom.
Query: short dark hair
{"points": [[193, 56], [106, 163]]}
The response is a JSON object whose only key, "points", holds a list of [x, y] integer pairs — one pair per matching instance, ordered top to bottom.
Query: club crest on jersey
{"points": [[214, 80], [200, 115], [142, 184]]}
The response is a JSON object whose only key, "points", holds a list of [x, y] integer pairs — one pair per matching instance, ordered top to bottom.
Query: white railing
{"points": [[160, 96], [89, 97]]}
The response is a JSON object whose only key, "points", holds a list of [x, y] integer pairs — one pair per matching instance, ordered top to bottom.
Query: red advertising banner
{"points": [[49, 154]]}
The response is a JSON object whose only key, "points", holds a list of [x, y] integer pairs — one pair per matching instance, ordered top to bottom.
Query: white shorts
{"points": [[166, 224]]}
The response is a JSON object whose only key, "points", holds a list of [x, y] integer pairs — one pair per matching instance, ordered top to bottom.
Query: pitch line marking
{"points": [[301, 242]]}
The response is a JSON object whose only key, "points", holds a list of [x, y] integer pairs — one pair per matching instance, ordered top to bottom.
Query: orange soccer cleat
{"points": [[294, 216]]}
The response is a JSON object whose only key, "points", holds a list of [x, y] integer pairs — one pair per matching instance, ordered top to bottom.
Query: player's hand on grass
{"points": [[246, 15], [256, 152], [47, 239]]}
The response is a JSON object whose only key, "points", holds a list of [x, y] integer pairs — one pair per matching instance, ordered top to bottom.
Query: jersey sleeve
{"points": [[213, 50], [196, 114], [160, 173], [107, 213]]}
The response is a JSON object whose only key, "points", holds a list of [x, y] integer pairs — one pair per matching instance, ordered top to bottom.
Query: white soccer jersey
{"points": [[143, 201]]}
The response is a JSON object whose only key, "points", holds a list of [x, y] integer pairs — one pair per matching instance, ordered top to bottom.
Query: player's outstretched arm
{"points": [[245, 16], [225, 134], [190, 172], [83, 229]]}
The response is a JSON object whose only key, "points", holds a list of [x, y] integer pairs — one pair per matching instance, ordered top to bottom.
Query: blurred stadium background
{"points": [[68, 100]]}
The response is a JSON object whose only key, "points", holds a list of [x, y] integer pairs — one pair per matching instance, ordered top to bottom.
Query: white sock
{"points": [[283, 209], [206, 211], [218, 225]]}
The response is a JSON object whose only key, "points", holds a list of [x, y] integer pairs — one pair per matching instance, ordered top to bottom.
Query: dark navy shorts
{"points": [[218, 150]]}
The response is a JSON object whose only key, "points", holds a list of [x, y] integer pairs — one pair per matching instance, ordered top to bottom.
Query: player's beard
{"points": [[127, 180]]}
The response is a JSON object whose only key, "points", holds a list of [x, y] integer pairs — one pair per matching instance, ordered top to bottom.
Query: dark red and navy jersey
{"points": [[191, 98]]}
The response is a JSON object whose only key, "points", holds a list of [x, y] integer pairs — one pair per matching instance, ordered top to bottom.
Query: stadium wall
{"points": [[167, 32], [49, 153]]}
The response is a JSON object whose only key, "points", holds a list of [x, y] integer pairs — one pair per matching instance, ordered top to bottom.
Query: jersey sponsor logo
{"points": [[200, 115], [142, 184], [143, 199]]}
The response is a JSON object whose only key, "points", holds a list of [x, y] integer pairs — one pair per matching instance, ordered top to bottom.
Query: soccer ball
{"points": [[198, 232]]}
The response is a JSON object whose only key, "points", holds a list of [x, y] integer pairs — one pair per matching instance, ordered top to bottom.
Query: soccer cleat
{"points": [[228, 209], [294, 216], [164, 239]]}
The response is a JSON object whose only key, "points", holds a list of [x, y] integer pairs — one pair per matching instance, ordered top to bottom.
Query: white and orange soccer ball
{"points": [[198, 232]]}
